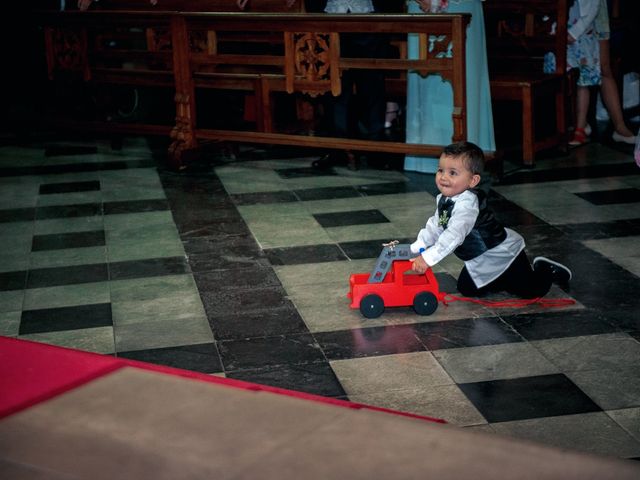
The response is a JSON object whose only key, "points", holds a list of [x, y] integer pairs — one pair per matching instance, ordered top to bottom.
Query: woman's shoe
{"points": [[580, 137], [631, 140]]}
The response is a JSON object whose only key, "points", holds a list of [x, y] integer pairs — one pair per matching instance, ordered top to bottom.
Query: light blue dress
{"points": [[430, 99]]}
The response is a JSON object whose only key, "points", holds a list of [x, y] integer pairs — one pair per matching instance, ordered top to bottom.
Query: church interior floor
{"points": [[240, 267]]}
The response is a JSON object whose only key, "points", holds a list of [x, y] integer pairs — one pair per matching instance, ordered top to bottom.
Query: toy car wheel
{"points": [[425, 303], [371, 306]]}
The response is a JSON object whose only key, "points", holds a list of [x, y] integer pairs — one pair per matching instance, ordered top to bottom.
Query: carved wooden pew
{"points": [[519, 35], [189, 52]]}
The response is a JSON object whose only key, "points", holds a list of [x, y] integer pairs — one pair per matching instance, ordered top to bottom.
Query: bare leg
{"points": [[609, 92], [582, 106]]}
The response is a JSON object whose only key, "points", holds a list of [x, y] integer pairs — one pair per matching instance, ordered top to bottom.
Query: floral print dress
{"points": [[584, 52]]}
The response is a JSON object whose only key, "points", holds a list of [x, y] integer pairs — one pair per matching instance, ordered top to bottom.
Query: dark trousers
{"points": [[361, 114], [520, 279]]}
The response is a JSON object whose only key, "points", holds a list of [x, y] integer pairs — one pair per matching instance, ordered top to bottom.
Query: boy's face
{"points": [[453, 177]]}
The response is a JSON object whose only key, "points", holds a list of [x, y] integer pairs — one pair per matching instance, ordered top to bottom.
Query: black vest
{"points": [[486, 233]]}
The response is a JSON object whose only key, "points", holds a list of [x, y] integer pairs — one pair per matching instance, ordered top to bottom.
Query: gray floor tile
{"points": [[67, 257], [151, 288], [66, 296], [11, 301], [170, 307], [9, 323], [170, 333], [97, 340], [609, 351], [478, 364], [388, 373], [611, 388], [446, 402], [629, 419], [587, 432]]}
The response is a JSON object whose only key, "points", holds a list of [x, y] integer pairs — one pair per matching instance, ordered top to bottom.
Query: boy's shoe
{"points": [[559, 273]]}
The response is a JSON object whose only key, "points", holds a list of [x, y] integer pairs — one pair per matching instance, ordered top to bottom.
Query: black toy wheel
{"points": [[425, 303], [371, 306]]}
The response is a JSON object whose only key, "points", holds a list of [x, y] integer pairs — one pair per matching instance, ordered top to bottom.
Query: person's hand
{"points": [[153, 2], [290, 3], [84, 4], [242, 4], [419, 265]]}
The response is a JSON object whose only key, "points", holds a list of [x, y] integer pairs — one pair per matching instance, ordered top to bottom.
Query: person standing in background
{"points": [[583, 53], [608, 87], [430, 99]]}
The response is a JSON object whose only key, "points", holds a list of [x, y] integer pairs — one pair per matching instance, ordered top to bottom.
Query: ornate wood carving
{"points": [[67, 51], [312, 62]]}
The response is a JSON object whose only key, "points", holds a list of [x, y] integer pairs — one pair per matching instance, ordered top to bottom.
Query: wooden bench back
{"points": [[255, 6], [520, 33]]}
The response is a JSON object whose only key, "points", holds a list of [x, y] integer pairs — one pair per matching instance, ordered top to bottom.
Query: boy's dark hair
{"points": [[471, 154]]}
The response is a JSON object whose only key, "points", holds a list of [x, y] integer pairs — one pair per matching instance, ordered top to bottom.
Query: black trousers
{"points": [[361, 115], [520, 279]]}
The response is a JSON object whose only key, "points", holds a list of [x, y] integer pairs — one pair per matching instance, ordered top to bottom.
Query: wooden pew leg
{"points": [[528, 127]]}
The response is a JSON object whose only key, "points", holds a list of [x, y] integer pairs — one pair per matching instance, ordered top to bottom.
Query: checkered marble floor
{"points": [[240, 268]]}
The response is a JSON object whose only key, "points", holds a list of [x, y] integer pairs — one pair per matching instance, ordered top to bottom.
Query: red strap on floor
{"points": [[514, 302]]}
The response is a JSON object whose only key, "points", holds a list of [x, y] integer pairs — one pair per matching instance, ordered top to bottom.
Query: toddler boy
{"points": [[463, 224]]}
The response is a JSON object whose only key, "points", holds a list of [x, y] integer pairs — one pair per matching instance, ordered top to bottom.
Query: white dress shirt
{"points": [[349, 6], [439, 242]]}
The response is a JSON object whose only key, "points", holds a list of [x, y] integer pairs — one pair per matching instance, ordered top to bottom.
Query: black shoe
{"points": [[330, 160], [559, 273]]}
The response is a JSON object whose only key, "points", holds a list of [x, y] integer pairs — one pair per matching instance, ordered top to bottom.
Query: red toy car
{"points": [[390, 286]]}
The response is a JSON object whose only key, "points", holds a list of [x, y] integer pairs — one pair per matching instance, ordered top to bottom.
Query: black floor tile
{"points": [[58, 150], [75, 167], [304, 172], [569, 173], [69, 187], [389, 188], [327, 193], [284, 196], [611, 197], [135, 206], [69, 211], [17, 215], [356, 217], [206, 228], [601, 230], [60, 241], [240, 247], [368, 248], [305, 254], [207, 262], [150, 267], [57, 276], [245, 278], [13, 280], [446, 283], [217, 303], [66, 318], [623, 318], [261, 323], [558, 324], [471, 332], [369, 342], [270, 351], [203, 358], [313, 378], [529, 397]]}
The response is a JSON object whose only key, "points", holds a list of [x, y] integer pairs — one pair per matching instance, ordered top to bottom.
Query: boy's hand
{"points": [[419, 265]]}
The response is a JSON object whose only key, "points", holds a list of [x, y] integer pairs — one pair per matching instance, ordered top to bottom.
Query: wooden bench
{"points": [[519, 35], [187, 52]]}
